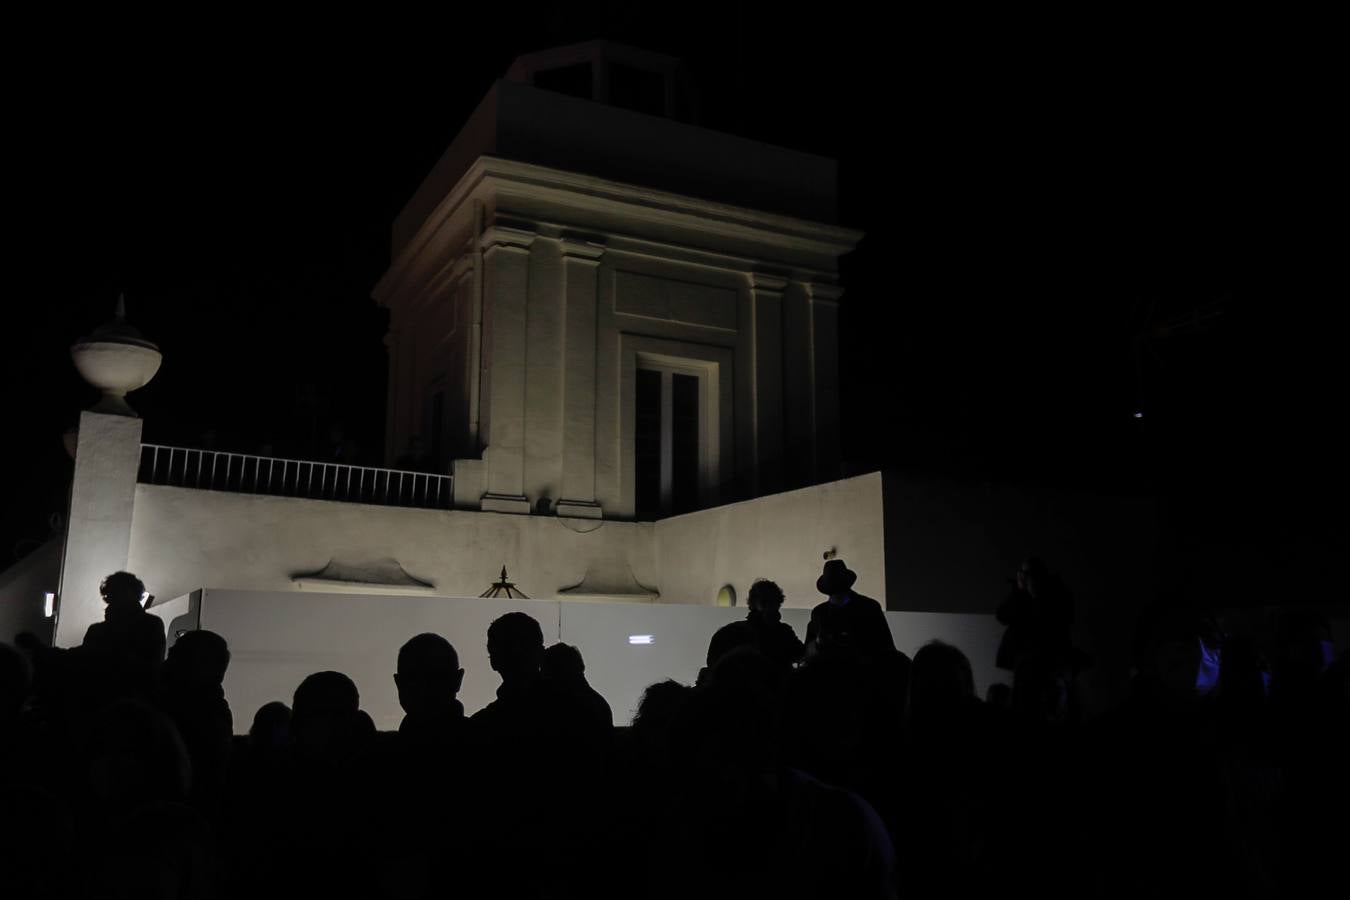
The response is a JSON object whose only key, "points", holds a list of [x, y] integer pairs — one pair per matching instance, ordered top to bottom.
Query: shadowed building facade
{"points": [[587, 311], [613, 371]]}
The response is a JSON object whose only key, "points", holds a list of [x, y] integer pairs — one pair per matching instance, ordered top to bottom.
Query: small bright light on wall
{"points": [[1138, 414], [48, 604], [639, 639]]}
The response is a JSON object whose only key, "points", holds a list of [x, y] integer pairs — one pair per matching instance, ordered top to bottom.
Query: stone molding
{"points": [[719, 222], [506, 237], [575, 248], [766, 283], [826, 293], [505, 503], [579, 509]]}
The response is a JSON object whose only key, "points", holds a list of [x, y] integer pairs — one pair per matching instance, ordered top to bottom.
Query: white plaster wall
{"points": [[107, 456], [782, 537], [185, 539], [952, 547], [21, 588], [680, 635], [276, 639]]}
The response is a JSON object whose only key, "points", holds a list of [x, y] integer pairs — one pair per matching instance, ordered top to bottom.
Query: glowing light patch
{"points": [[1138, 415], [48, 604], [639, 639], [1328, 654], [1207, 673]]}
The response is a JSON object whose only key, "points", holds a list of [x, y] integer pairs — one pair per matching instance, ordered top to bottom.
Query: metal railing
{"points": [[245, 473]]}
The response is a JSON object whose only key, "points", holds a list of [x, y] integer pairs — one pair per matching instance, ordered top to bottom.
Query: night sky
{"points": [[1062, 232]]}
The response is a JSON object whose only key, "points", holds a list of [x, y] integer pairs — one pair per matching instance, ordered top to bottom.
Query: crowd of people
{"points": [[824, 765]]}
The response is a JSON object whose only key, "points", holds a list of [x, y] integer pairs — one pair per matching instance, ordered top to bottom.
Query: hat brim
{"points": [[835, 584]]}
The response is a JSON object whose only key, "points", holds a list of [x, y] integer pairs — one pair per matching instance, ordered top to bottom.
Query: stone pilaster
{"points": [[581, 263], [506, 273], [824, 308], [767, 314]]}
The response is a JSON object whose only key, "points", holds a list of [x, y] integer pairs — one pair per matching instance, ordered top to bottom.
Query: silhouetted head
{"points": [[1032, 574], [835, 578], [122, 588], [765, 599], [515, 646], [1179, 652], [198, 659], [563, 665], [746, 670], [428, 676], [940, 681], [326, 692], [658, 707], [323, 716], [271, 726], [728, 728], [135, 756]]}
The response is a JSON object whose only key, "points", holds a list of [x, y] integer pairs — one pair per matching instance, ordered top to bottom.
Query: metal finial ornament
{"points": [[503, 589]]}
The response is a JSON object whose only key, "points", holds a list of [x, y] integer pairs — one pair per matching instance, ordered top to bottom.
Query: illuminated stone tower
{"points": [[599, 309]]}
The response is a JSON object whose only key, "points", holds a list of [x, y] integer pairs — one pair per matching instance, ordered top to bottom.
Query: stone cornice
{"points": [[528, 174], [490, 176], [662, 208], [501, 236], [581, 248], [721, 262], [762, 281], [826, 293]]}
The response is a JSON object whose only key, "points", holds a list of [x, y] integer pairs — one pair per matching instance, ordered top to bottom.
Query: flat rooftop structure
{"points": [[524, 123]]}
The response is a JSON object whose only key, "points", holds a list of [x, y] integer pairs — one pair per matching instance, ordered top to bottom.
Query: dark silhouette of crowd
{"points": [[831, 767]]}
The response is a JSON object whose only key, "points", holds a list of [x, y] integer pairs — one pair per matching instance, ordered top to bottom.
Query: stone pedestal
{"points": [[98, 531]]}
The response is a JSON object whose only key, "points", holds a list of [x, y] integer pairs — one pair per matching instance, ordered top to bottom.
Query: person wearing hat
{"points": [[847, 618]]}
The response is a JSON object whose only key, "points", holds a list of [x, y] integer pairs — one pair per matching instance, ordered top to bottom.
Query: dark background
{"points": [[1068, 222]]}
